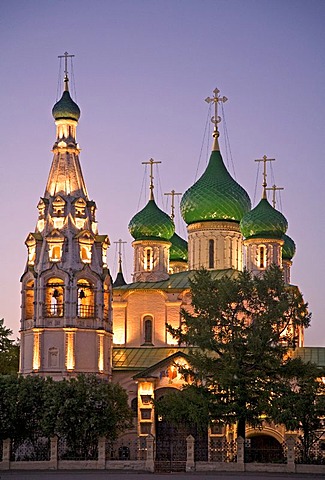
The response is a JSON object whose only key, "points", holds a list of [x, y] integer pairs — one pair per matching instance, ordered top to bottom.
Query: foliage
{"points": [[240, 330], [9, 351], [300, 404], [22, 406], [85, 408], [81, 409]]}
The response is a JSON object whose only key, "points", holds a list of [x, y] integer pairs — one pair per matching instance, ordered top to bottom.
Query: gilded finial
{"points": [[66, 77], [216, 99], [151, 162], [264, 184], [274, 188], [173, 195], [120, 243]]}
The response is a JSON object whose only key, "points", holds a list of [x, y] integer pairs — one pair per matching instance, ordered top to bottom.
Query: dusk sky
{"points": [[142, 69]]}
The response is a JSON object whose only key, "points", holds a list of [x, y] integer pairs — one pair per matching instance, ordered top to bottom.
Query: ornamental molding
{"points": [[227, 226]]}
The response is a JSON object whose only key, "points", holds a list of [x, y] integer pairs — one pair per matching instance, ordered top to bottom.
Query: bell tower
{"points": [[66, 319]]}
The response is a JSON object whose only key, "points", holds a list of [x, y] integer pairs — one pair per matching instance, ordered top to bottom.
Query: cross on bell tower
{"points": [[66, 78], [173, 194]]}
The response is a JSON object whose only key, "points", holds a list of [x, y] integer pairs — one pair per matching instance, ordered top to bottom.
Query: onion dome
{"points": [[66, 108], [215, 196], [263, 221], [151, 223], [289, 248], [178, 250]]}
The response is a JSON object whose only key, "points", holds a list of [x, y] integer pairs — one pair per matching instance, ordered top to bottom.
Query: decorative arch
{"points": [[54, 297], [29, 299], [85, 299]]}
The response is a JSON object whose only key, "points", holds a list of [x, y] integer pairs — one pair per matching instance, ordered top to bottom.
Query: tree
{"points": [[240, 330], [9, 351], [300, 404], [83, 409]]}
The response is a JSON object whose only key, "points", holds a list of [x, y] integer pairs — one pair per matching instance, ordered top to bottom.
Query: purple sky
{"points": [[142, 70]]}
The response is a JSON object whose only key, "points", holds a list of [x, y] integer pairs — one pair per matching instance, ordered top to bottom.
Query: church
{"points": [[76, 319]]}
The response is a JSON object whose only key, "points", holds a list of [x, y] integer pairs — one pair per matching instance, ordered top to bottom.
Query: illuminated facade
{"points": [[71, 315], [66, 318]]}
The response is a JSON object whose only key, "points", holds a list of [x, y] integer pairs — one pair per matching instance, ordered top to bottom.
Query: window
{"points": [[211, 253], [262, 256], [148, 259], [54, 298], [29, 300], [86, 300], [147, 323], [134, 406], [145, 413]]}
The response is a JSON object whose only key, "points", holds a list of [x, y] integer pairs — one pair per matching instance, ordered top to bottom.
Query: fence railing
{"points": [[138, 453]]}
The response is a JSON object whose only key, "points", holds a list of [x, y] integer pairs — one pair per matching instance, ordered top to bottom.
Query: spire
{"points": [[216, 99], [151, 162], [264, 184], [173, 195], [119, 281]]}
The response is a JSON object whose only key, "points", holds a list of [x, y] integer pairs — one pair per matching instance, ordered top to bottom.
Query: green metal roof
{"points": [[66, 108], [215, 196], [263, 221], [151, 223], [289, 248], [178, 249], [176, 281], [311, 354], [141, 358]]}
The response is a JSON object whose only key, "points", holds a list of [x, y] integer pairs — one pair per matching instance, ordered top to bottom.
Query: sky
{"points": [[141, 72]]}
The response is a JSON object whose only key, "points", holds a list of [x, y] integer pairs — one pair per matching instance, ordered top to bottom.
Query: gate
{"points": [[171, 446]]}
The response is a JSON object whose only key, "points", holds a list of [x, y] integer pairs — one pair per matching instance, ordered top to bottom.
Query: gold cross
{"points": [[65, 56], [216, 99], [264, 160], [151, 162], [274, 188], [173, 194], [120, 242]]}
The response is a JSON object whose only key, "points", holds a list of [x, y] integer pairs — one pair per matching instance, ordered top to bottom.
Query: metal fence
{"points": [[29, 450], [79, 451]]}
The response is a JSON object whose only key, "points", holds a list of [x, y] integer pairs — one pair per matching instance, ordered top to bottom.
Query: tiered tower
{"points": [[66, 320]]}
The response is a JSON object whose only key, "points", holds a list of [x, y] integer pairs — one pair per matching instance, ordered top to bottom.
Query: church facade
{"points": [[75, 320]]}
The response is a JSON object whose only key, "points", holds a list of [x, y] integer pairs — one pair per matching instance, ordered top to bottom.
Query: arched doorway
{"points": [[171, 449], [264, 449]]}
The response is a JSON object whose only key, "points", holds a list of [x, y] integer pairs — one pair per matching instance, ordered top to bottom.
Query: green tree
{"points": [[240, 329], [9, 351], [22, 402], [300, 404], [83, 409]]}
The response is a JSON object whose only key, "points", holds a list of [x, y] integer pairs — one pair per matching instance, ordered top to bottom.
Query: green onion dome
{"points": [[66, 108], [215, 196], [263, 221], [151, 223], [289, 248], [178, 250]]}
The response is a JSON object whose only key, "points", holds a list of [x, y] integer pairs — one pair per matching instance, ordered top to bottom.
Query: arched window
{"points": [[211, 253], [262, 256], [148, 260], [54, 298], [29, 300], [86, 300], [147, 327], [134, 406]]}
